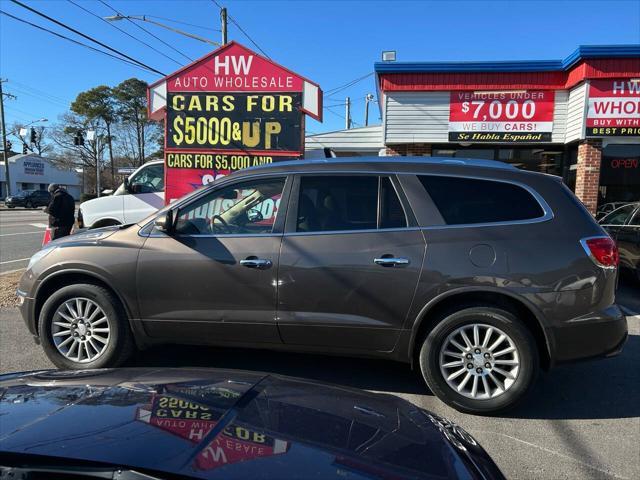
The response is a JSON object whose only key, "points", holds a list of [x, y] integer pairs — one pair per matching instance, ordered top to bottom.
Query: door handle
{"points": [[391, 261], [254, 262]]}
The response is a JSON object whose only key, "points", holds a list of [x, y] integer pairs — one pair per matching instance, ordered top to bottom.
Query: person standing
{"points": [[61, 211]]}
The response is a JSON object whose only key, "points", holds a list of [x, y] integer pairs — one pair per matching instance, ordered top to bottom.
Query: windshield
{"points": [[149, 179]]}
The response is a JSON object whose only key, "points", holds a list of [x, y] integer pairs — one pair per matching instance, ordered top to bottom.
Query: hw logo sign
{"points": [[233, 65]]}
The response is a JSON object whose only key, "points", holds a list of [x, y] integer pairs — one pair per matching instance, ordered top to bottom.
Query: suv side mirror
{"points": [[164, 222]]}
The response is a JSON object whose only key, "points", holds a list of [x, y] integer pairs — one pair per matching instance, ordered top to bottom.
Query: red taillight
{"points": [[602, 250]]}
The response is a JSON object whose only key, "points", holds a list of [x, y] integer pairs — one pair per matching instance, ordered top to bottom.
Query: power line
{"points": [[33, 10], [233, 20], [183, 23], [146, 31], [125, 32], [76, 41], [333, 91], [42, 92], [39, 97], [11, 107], [330, 109]]}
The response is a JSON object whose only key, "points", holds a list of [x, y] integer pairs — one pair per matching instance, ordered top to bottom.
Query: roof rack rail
{"points": [[424, 160]]}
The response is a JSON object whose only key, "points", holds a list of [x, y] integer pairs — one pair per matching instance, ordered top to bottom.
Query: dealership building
{"points": [[578, 118], [33, 172]]}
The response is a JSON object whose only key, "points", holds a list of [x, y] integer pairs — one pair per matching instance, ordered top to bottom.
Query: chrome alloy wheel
{"points": [[80, 330], [479, 361]]}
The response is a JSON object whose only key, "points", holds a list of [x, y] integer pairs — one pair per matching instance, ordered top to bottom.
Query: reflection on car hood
{"points": [[87, 235], [229, 424]]}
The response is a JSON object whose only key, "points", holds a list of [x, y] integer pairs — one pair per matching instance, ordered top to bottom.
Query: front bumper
{"points": [[26, 306], [598, 334]]}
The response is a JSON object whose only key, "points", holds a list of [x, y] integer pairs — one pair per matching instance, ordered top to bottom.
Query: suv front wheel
{"points": [[84, 326], [479, 360]]}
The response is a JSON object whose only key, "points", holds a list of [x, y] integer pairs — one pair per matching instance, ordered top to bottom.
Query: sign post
{"points": [[230, 110]]}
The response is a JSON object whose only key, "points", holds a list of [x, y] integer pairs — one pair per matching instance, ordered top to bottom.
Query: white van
{"points": [[141, 194]]}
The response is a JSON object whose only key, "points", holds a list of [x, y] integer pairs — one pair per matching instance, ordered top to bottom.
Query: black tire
{"points": [[28, 205], [508, 323], [120, 345]]}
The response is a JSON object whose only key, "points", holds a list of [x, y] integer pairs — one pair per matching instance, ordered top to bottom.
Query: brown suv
{"points": [[474, 271]]}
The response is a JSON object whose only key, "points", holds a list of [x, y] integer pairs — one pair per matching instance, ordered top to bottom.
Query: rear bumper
{"points": [[598, 334]]}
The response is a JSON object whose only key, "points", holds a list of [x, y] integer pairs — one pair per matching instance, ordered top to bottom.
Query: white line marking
{"points": [[39, 225], [21, 233], [14, 261], [12, 271], [548, 450]]}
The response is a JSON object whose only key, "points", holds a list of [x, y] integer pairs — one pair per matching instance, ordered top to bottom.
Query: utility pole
{"points": [[223, 20], [367, 99], [347, 114], [5, 153]]}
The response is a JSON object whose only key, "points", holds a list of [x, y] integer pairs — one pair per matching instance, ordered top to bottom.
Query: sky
{"points": [[329, 42]]}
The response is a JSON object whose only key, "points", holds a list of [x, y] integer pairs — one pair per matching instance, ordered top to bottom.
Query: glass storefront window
{"points": [[620, 173]]}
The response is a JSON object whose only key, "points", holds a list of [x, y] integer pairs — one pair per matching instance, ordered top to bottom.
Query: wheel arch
{"points": [[105, 222], [64, 278], [433, 311]]}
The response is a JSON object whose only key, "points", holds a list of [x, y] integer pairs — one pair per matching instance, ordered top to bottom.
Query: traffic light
{"points": [[34, 136], [78, 140], [9, 145], [24, 149]]}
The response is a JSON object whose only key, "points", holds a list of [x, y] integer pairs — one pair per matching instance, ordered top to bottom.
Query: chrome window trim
{"points": [[546, 209], [547, 215], [542, 219], [347, 232], [228, 235]]}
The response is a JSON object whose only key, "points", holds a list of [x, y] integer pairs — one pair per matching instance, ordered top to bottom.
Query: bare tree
{"points": [[40, 146], [71, 156]]}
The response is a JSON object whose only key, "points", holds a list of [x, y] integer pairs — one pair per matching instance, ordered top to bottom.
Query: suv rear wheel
{"points": [[84, 326], [479, 360]]}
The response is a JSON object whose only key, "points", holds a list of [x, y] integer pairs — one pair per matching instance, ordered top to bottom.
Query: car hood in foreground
{"points": [[229, 424]]}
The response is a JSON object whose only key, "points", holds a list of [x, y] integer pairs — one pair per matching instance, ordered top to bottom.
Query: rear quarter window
{"points": [[463, 201]]}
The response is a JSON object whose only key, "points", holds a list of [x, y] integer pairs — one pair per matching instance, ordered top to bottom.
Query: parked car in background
{"points": [[141, 194], [28, 199], [607, 208], [623, 224], [474, 271], [150, 423]]}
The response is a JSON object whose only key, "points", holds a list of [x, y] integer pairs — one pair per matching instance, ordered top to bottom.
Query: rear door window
{"points": [[467, 201], [348, 202]]}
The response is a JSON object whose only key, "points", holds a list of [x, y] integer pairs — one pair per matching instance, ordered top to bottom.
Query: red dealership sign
{"points": [[614, 108], [230, 110], [508, 116]]}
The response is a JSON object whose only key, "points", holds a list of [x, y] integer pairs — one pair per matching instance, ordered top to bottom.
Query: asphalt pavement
{"points": [[21, 234], [581, 421]]}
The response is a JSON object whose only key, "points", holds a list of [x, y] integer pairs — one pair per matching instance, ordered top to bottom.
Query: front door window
{"points": [[240, 209]]}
